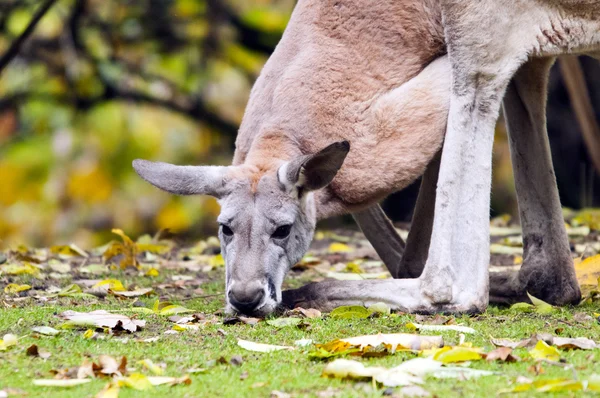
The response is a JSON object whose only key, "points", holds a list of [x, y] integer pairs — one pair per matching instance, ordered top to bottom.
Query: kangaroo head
{"points": [[267, 217]]}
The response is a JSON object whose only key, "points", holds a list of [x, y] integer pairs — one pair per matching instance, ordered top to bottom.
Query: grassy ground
{"points": [[214, 344]]}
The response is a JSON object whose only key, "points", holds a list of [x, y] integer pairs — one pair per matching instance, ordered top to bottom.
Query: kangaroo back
{"points": [[337, 74]]}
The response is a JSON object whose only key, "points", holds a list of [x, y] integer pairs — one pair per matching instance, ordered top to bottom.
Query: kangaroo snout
{"points": [[247, 297]]}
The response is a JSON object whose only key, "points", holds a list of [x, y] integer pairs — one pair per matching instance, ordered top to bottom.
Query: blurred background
{"points": [[101, 82]]}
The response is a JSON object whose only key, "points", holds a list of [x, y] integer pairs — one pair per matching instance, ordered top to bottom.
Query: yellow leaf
{"points": [[337, 247], [128, 249], [68, 251], [518, 260], [217, 261], [354, 268], [21, 269], [588, 270], [152, 272], [113, 284], [13, 288], [541, 307], [173, 310], [88, 334], [544, 351], [458, 354], [151, 366], [136, 381], [109, 391]]}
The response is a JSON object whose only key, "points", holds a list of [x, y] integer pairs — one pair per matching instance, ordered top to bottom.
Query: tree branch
{"points": [[13, 50]]}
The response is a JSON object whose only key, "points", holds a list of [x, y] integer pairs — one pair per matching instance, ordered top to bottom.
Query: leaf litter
{"points": [[46, 264]]}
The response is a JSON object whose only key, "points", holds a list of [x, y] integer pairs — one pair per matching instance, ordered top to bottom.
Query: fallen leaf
{"points": [[337, 247], [126, 248], [67, 251], [21, 269], [588, 270], [110, 284], [13, 288], [73, 290], [132, 293], [541, 307], [380, 308], [174, 309], [350, 312], [308, 313], [102, 319], [284, 322], [440, 328], [45, 330], [7, 341], [396, 341], [506, 343], [581, 343], [378, 344], [260, 347], [34, 351], [543, 351], [458, 354], [502, 354], [109, 365], [151, 366], [345, 368], [461, 373], [160, 380], [137, 381], [60, 382], [547, 385], [111, 390]]}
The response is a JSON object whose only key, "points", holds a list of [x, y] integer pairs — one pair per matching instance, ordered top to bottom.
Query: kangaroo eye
{"points": [[226, 230], [282, 232]]}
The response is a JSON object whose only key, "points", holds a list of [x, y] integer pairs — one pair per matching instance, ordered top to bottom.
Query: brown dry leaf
{"points": [[307, 313], [102, 319], [507, 343], [581, 343], [34, 351], [502, 354], [109, 366], [86, 370]]}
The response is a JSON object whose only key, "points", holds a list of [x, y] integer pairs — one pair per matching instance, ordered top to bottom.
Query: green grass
{"points": [[291, 372]]}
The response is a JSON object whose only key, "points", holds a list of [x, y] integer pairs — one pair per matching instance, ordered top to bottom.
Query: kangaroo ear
{"points": [[312, 172], [183, 180]]}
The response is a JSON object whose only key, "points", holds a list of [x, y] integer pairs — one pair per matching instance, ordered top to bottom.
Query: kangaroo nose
{"points": [[245, 298]]}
